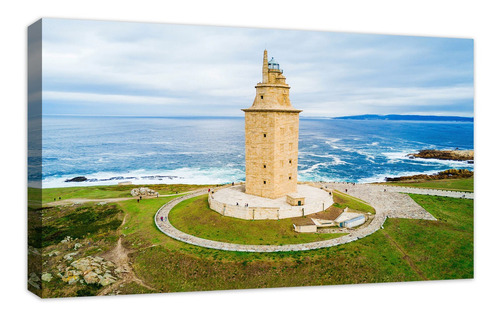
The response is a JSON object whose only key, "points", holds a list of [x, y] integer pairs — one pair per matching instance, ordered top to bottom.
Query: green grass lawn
{"points": [[466, 184], [105, 192], [342, 200], [195, 217], [140, 228], [442, 249], [405, 250]]}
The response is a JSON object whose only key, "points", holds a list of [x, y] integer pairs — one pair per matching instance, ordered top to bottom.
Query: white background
{"points": [[462, 298]]}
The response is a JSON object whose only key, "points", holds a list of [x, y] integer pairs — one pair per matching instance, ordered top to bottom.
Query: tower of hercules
{"points": [[271, 136]]}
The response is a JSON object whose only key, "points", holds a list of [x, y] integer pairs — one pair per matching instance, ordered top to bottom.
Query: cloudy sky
{"points": [[120, 68]]}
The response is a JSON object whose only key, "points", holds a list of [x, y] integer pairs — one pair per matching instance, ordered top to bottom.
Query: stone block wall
{"points": [[271, 153], [266, 213]]}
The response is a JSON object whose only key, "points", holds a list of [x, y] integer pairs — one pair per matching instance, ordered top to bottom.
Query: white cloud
{"points": [[153, 64], [110, 98]]}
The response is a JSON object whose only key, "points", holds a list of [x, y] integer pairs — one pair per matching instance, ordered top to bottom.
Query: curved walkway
{"points": [[387, 201], [167, 228]]}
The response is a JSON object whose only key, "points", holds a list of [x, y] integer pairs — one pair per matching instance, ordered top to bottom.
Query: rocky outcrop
{"points": [[444, 154], [447, 174], [76, 179], [143, 192], [89, 270], [46, 277]]}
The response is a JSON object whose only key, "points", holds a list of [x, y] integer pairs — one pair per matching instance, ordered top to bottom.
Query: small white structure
{"points": [[350, 219], [323, 223], [305, 228]]}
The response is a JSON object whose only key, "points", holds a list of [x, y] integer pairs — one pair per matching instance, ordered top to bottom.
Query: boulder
{"points": [[143, 192], [66, 239], [69, 256], [46, 277], [91, 278]]}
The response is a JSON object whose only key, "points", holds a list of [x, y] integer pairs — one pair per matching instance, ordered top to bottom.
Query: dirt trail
{"points": [[119, 256], [407, 258]]}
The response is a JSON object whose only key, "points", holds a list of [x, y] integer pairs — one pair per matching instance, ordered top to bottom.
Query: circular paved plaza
{"points": [[234, 202]]}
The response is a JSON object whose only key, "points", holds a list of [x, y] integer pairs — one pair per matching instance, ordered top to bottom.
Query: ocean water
{"points": [[108, 150]]}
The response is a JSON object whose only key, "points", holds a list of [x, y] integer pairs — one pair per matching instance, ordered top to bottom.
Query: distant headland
{"points": [[408, 117]]}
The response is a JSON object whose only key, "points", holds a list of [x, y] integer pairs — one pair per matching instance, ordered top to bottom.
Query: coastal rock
{"points": [[463, 155], [447, 174], [76, 179], [143, 192], [66, 239], [54, 253], [69, 256], [89, 270], [46, 277], [91, 278], [107, 279], [33, 280]]}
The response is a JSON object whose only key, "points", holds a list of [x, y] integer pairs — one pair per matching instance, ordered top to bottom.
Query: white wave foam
{"points": [[400, 155], [314, 167], [142, 176]]}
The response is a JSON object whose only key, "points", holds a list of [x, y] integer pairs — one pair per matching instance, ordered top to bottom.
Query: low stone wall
{"points": [[266, 213]]}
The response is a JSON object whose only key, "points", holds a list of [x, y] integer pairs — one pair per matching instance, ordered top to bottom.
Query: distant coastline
{"points": [[408, 117]]}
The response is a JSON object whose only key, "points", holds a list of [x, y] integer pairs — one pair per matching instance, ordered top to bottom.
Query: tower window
{"points": [[261, 97], [264, 135], [290, 161], [264, 166], [289, 178], [264, 182]]}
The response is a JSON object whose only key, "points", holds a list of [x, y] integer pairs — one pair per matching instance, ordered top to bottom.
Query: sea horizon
{"points": [[210, 150]]}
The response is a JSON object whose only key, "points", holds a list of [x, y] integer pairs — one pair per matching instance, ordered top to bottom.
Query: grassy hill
{"points": [[404, 250]]}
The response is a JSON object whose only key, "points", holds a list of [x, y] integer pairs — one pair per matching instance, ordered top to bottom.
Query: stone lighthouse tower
{"points": [[271, 136]]}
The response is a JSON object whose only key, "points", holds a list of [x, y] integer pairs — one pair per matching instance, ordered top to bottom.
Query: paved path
{"points": [[441, 193], [108, 200], [388, 203]]}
